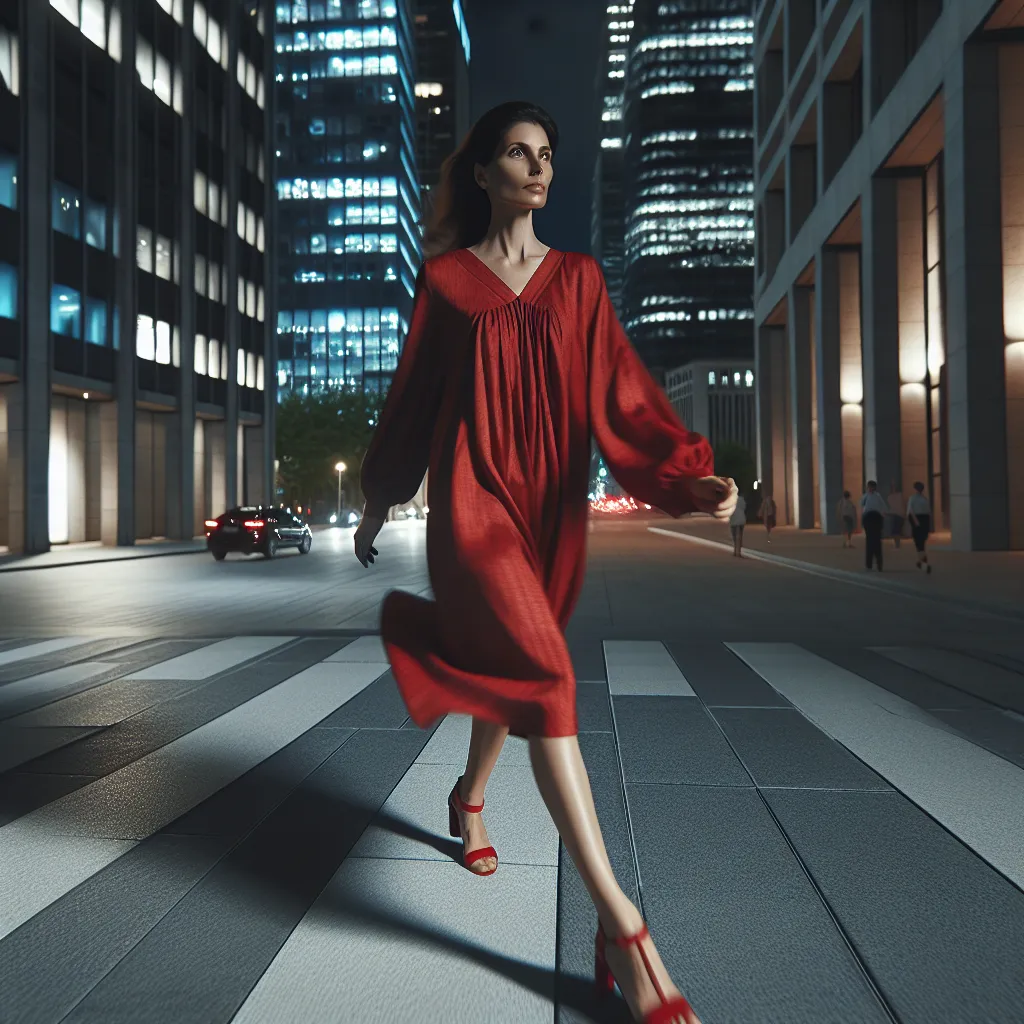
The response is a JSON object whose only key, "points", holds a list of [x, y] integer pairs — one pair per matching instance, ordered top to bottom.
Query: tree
{"points": [[315, 432], [734, 460]]}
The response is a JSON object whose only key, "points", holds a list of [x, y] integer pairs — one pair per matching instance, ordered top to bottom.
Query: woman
{"points": [[514, 356], [768, 511], [919, 512], [848, 517], [737, 521]]}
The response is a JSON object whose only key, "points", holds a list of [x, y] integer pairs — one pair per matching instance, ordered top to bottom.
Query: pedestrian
{"points": [[514, 357], [873, 511], [919, 511], [897, 512], [768, 515], [847, 518], [736, 523]]}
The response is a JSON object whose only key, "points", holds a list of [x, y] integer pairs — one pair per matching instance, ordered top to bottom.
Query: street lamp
{"points": [[340, 467]]}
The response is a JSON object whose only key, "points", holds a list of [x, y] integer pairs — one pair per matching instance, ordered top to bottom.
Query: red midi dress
{"points": [[498, 395]]}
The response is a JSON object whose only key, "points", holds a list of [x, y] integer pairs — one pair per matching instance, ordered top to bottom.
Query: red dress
{"points": [[498, 395]]}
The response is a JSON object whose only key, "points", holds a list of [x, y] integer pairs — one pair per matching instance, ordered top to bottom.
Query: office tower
{"points": [[442, 88], [608, 221], [689, 225], [347, 245], [889, 298], [134, 307]]}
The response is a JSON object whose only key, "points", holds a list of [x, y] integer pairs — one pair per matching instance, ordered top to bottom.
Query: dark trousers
{"points": [[872, 523]]}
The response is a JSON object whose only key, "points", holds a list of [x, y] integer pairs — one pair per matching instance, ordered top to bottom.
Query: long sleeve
{"points": [[646, 446], [399, 451]]}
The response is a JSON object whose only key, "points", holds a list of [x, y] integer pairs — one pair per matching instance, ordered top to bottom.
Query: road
{"points": [[214, 806]]}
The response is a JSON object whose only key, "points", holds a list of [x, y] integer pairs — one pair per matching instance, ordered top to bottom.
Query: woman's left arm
{"points": [[649, 451]]}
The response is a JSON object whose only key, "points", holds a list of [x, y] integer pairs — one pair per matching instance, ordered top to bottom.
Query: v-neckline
{"points": [[495, 280]]}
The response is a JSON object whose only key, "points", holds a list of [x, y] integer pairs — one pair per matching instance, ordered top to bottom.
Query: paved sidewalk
{"points": [[94, 551], [988, 580]]}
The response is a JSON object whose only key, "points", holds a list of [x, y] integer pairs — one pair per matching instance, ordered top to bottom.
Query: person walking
{"points": [[514, 357], [897, 512], [919, 512], [768, 513], [872, 517], [848, 518], [736, 523]]}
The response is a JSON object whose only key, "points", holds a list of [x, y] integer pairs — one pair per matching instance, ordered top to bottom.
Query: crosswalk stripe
{"points": [[43, 647], [218, 657], [643, 668], [12, 695], [976, 795], [46, 853]]}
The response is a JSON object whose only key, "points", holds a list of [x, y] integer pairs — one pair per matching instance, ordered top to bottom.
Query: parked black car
{"points": [[257, 529]]}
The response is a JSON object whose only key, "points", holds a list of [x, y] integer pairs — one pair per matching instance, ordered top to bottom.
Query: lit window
{"points": [[69, 8], [94, 22], [114, 38], [144, 62], [162, 84], [8, 180], [199, 192], [213, 201], [66, 210], [95, 224], [250, 227], [260, 237], [144, 249], [162, 259], [200, 273], [213, 283], [8, 291], [241, 294], [250, 299], [260, 304], [95, 321], [145, 337], [163, 343], [200, 354], [213, 358], [250, 370], [240, 371], [259, 374], [711, 378], [749, 378], [736, 379]]}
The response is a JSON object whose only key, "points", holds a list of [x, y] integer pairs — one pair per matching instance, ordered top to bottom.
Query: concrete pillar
{"points": [[235, 146], [1011, 149], [801, 181], [125, 200], [881, 338], [975, 338], [913, 352], [851, 380], [799, 388], [763, 405], [269, 428], [30, 432], [781, 433], [198, 449], [93, 471], [109, 473], [144, 473], [5, 478], [76, 484], [256, 491], [217, 499], [57, 526]]}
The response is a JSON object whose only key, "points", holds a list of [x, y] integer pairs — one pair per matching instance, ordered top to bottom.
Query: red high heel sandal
{"points": [[456, 804], [670, 1011]]}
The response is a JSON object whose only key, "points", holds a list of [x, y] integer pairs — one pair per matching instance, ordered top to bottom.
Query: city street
{"points": [[213, 807]]}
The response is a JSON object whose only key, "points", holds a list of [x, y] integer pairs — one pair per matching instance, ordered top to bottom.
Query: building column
{"points": [[235, 146], [270, 205], [125, 291], [881, 332], [975, 338], [851, 376], [826, 384], [763, 405], [29, 430], [781, 431], [800, 453], [109, 476]]}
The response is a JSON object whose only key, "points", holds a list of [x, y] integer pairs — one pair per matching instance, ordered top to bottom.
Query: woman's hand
{"points": [[715, 495], [366, 533]]}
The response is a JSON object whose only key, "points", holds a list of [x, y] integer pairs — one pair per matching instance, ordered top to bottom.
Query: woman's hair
{"points": [[461, 210]]}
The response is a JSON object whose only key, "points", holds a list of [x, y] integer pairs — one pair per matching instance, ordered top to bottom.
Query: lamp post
{"points": [[340, 467]]}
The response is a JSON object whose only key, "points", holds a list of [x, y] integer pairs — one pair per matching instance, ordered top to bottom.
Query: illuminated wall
{"points": [[689, 242]]}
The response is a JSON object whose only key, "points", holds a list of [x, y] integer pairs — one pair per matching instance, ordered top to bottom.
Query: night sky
{"points": [[547, 53]]}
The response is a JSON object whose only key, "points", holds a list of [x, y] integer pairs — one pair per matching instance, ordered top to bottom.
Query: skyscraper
{"points": [[442, 87], [689, 224], [607, 225], [348, 247], [133, 271]]}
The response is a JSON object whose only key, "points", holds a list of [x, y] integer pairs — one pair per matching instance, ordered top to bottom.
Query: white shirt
{"points": [[874, 502], [919, 505], [897, 506], [739, 516]]}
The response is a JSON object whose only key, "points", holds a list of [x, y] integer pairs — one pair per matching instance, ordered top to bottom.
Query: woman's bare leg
{"points": [[485, 743], [563, 783]]}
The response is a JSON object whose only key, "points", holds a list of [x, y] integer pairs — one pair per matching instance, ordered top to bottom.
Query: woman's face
{"points": [[520, 173]]}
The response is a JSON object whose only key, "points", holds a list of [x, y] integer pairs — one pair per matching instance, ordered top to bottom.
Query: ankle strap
{"points": [[462, 805], [625, 941]]}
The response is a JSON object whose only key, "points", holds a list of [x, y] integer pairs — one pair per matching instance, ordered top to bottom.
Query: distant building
{"points": [[688, 186], [136, 387], [717, 399]]}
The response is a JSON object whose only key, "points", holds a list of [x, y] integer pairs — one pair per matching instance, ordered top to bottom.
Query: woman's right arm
{"points": [[399, 452]]}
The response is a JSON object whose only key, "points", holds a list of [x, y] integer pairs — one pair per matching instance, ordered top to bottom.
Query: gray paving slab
{"points": [[361, 648], [585, 648], [17, 650], [161, 650], [56, 658], [215, 658], [643, 667], [719, 678], [986, 680], [905, 682], [49, 686], [379, 706], [593, 710], [1002, 732], [127, 741], [674, 741], [19, 744], [449, 744], [779, 747], [600, 754], [23, 792], [240, 806], [413, 823], [737, 922], [940, 931], [417, 941], [205, 956], [53, 960]]}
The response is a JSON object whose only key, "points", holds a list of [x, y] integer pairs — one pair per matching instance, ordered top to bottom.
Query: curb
{"points": [[99, 561], [845, 576]]}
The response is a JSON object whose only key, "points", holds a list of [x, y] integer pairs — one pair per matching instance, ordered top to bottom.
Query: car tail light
{"points": [[212, 524], [254, 524]]}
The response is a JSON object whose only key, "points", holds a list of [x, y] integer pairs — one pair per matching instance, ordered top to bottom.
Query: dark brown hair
{"points": [[461, 210]]}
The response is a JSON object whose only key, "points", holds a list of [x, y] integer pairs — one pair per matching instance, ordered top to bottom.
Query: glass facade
{"points": [[347, 192], [689, 239]]}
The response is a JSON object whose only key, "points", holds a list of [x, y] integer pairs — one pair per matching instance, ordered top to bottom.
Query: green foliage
{"points": [[315, 432], [734, 460]]}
